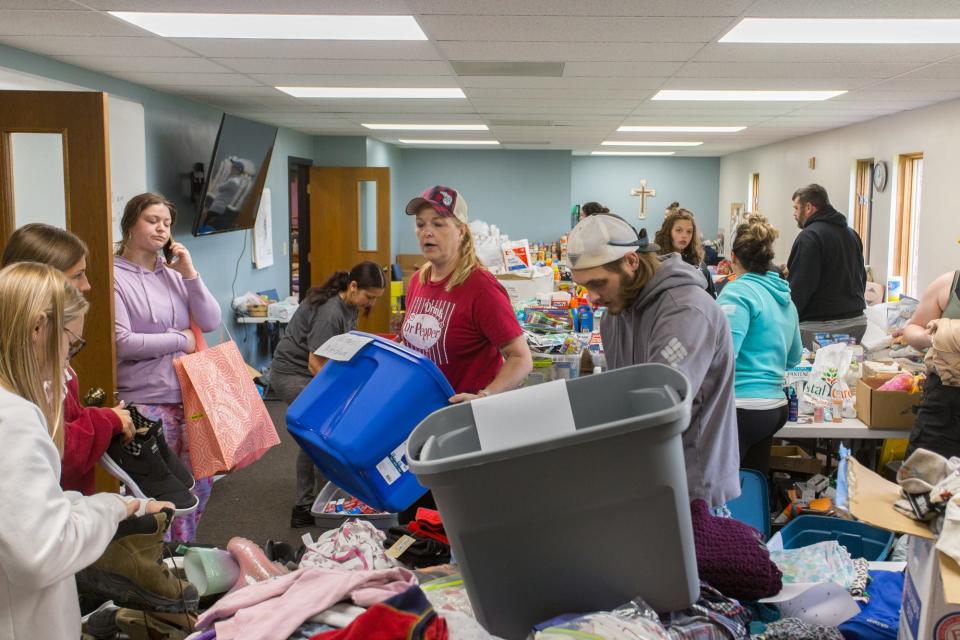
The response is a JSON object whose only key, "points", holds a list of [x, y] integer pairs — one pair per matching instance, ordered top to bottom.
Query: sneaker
{"points": [[147, 428], [140, 467], [301, 517], [132, 573], [102, 623]]}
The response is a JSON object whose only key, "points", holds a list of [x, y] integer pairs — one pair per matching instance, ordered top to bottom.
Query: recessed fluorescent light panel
{"points": [[272, 26], [845, 31], [373, 92], [746, 96], [427, 127], [667, 129], [457, 142], [631, 143], [632, 153]]}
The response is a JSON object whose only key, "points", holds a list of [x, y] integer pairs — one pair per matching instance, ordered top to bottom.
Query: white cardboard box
{"points": [[527, 284], [925, 612]]}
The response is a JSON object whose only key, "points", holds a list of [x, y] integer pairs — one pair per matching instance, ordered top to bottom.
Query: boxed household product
{"points": [[516, 255], [527, 284], [283, 310], [872, 368], [885, 409], [354, 417], [793, 458], [334, 506], [520, 530], [931, 590]]}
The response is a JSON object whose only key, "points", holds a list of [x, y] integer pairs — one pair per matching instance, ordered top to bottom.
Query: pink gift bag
{"points": [[228, 426]]}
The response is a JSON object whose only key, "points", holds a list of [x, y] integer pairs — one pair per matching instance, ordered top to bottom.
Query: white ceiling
{"points": [[617, 54]]}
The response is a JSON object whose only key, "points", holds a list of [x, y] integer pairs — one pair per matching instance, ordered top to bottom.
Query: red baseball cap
{"points": [[444, 200]]}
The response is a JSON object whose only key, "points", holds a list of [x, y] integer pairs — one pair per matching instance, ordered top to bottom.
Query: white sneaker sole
{"points": [[117, 472]]}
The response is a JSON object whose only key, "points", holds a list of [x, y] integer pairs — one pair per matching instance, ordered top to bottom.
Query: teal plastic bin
{"points": [[753, 505], [861, 540]]}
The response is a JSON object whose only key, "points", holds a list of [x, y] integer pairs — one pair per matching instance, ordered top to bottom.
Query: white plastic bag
{"points": [[827, 381]]}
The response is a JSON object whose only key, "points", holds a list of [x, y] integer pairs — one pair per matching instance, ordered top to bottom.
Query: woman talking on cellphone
{"points": [[158, 296]]}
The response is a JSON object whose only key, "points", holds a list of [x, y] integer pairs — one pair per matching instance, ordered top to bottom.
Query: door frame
{"points": [[81, 118], [302, 167]]}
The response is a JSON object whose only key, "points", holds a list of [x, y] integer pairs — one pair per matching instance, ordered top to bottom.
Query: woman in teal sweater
{"points": [[766, 339]]}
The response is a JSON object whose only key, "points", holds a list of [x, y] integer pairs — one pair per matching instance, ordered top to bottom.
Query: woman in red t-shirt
{"points": [[458, 315]]}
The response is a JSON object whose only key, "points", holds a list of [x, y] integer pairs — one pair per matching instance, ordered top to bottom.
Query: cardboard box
{"points": [[527, 284], [872, 368], [884, 409], [793, 458], [931, 594]]}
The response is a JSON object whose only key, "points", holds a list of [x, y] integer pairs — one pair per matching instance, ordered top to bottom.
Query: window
{"points": [[754, 189], [863, 203], [905, 249]]}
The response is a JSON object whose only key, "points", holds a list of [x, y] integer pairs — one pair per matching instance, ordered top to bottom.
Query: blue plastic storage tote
{"points": [[354, 417], [753, 505], [861, 540]]}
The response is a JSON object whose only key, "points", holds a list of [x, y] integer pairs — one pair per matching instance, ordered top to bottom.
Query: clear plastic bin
{"points": [[583, 522]]}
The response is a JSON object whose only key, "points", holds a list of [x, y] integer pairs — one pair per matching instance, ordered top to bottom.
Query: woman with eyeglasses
{"points": [[87, 430]]}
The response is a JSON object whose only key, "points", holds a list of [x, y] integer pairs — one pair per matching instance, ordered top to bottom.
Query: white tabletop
{"points": [[258, 320], [850, 428]]}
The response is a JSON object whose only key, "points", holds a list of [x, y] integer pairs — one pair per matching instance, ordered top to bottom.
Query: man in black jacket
{"points": [[827, 273]]}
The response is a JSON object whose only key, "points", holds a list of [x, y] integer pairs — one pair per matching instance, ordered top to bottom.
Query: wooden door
{"points": [[81, 119], [342, 231]]}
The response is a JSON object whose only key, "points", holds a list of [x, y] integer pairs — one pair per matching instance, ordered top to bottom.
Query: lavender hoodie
{"points": [[150, 308]]}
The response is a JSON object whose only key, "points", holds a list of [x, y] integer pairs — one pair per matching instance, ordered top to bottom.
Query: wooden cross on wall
{"points": [[643, 193]]}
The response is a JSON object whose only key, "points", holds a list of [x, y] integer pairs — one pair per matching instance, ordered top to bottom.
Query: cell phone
{"points": [[168, 251]]}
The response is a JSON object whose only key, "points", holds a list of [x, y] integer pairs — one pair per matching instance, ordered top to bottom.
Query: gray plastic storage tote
{"points": [[582, 522]]}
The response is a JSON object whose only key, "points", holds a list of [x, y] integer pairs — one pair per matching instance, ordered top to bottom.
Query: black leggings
{"points": [[756, 428]]}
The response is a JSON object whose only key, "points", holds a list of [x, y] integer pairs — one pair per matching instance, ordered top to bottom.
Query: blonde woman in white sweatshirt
{"points": [[46, 534]]}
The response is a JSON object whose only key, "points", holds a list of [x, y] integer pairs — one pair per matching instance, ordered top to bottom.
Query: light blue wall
{"points": [[179, 133], [339, 151], [381, 154], [693, 182], [525, 193]]}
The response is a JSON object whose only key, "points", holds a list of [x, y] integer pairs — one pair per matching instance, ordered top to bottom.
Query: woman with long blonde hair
{"points": [[48, 534]]}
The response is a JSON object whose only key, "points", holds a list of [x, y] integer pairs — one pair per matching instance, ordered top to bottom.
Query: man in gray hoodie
{"points": [[658, 311]]}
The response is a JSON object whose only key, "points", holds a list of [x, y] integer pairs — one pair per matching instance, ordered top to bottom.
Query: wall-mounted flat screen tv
{"points": [[235, 176]]}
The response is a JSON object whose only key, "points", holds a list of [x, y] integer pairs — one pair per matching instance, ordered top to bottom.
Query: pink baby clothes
{"points": [[273, 610]]}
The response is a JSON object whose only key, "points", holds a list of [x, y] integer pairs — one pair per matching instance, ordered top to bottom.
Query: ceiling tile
{"points": [[44, 5], [367, 7], [693, 8], [855, 9], [64, 23], [572, 29], [95, 46], [351, 50], [567, 51], [802, 53], [136, 64], [301, 66], [645, 68], [813, 70], [188, 79], [283, 79]]}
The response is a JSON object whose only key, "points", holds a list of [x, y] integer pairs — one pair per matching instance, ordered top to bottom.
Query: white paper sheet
{"points": [[263, 233], [342, 347], [532, 414]]}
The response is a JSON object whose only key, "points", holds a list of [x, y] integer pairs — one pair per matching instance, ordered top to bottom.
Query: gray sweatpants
{"points": [[309, 478]]}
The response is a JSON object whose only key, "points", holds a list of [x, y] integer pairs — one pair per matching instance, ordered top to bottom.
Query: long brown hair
{"points": [[136, 206], [46, 244], [693, 254], [467, 260], [30, 290]]}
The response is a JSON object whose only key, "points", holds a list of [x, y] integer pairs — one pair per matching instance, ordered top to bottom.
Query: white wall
{"points": [[933, 130]]}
